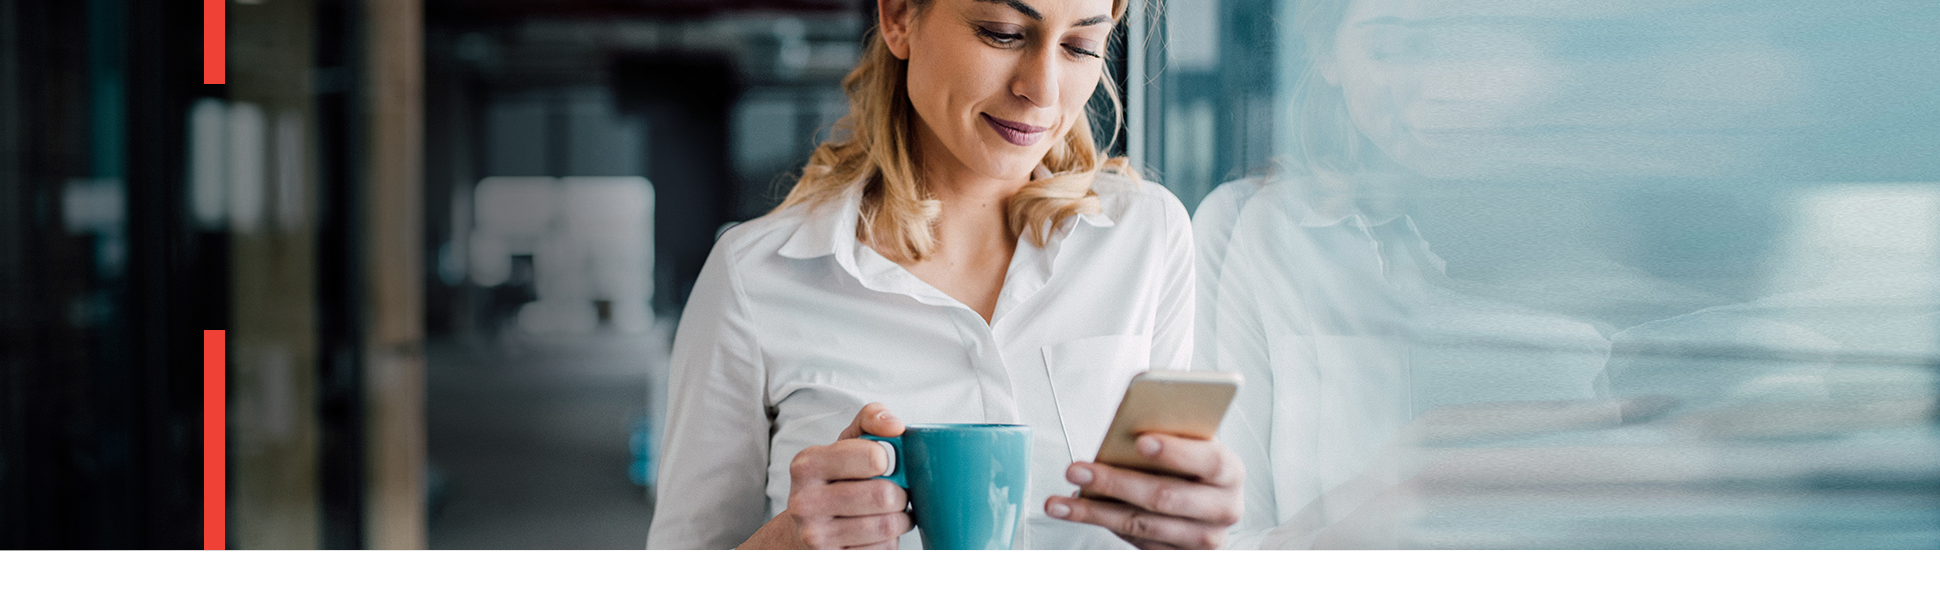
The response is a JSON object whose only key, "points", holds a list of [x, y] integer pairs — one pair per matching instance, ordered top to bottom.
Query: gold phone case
{"points": [[1187, 404]]}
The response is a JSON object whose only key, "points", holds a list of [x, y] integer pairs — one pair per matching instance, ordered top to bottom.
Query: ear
{"points": [[894, 18]]}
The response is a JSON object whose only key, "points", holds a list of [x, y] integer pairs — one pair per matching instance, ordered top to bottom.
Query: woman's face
{"points": [[996, 83]]}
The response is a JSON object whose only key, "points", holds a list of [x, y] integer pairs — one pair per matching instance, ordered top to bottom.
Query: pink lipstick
{"points": [[1015, 132]]}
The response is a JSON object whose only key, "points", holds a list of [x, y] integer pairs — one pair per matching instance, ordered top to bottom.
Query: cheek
{"points": [[946, 81], [1078, 85], [924, 86], [1075, 91], [1372, 103]]}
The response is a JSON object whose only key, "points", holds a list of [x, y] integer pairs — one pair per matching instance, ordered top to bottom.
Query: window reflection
{"points": [[1570, 274]]}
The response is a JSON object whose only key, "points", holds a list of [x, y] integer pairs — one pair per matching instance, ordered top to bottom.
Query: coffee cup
{"points": [[967, 481]]}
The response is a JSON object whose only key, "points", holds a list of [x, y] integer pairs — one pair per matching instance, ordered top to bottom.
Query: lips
{"points": [[1014, 132]]}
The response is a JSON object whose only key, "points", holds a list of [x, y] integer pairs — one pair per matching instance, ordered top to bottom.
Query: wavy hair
{"points": [[873, 148]]}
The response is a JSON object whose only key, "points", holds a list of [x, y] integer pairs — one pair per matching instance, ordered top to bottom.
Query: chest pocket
{"points": [[1088, 377], [1337, 402]]}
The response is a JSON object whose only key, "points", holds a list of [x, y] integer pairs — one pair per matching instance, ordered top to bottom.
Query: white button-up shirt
{"points": [[794, 325], [1345, 328]]}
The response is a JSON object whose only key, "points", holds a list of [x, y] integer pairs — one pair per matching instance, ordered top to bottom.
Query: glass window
{"points": [[1536, 274]]}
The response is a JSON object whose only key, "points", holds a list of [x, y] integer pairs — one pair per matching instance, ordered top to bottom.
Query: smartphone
{"points": [[1187, 404]]}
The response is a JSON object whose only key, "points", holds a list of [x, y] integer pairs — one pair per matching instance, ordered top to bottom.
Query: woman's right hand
{"points": [[834, 499]]}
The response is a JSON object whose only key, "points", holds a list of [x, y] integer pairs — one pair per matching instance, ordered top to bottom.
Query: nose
{"points": [[1036, 77]]}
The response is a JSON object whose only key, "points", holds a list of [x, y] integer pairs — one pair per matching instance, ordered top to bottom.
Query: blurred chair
{"points": [[589, 240]]}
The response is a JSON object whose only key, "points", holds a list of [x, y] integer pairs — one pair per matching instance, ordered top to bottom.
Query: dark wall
{"points": [[686, 99], [100, 330]]}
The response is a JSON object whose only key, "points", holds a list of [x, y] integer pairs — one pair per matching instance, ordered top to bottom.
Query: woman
{"points": [[1516, 130], [892, 285]]}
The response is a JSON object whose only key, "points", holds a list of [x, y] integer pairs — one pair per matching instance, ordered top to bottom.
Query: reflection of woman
{"points": [[1559, 141], [892, 279], [1316, 284]]}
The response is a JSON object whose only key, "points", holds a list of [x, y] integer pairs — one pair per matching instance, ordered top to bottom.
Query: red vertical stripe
{"points": [[215, 41], [214, 430]]}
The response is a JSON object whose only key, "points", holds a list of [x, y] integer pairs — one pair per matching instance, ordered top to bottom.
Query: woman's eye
{"points": [[1000, 38], [1081, 51]]}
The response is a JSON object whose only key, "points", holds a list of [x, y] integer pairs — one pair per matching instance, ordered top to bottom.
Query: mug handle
{"points": [[893, 446]]}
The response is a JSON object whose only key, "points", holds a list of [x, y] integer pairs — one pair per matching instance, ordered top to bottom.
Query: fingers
{"points": [[873, 419], [845, 459], [1209, 460], [849, 499], [836, 500], [1215, 505], [1156, 511], [1143, 528], [847, 532], [886, 545], [1151, 545]]}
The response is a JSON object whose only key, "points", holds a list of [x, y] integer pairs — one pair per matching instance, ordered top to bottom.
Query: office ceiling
{"points": [[517, 10]]}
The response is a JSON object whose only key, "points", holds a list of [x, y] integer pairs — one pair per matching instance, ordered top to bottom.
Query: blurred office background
{"points": [[449, 240], [1631, 274]]}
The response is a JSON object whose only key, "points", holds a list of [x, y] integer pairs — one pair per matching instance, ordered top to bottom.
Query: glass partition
{"points": [[1538, 274]]}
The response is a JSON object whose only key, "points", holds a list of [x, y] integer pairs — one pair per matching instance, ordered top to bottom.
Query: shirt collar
{"points": [[1305, 205], [1097, 219], [1395, 227], [826, 228], [830, 228]]}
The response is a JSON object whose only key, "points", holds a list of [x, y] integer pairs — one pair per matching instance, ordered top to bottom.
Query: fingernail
{"points": [[1148, 446], [1078, 475], [1058, 509]]}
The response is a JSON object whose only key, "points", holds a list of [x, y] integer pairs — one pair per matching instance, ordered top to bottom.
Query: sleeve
{"points": [[1212, 229], [1172, 331], [1242, 346], [713, 473]]}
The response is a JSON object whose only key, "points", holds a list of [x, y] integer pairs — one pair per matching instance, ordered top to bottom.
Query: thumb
{"points": [[873, 419]]}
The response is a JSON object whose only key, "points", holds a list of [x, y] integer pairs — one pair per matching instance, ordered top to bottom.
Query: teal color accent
{"points": [[107, 51], [896, 475], [966, 482]]}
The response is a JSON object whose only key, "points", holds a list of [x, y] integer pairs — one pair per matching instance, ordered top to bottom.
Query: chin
{"points": [[1013, 164], [1022, 171]]}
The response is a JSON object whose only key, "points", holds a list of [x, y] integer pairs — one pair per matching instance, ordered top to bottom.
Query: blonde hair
{"points": [[873, 149]]}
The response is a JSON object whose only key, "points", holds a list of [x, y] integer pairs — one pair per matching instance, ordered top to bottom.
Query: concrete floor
{"points": [[531, 439]]}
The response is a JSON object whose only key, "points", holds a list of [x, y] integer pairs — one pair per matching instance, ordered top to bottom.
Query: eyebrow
{"points": [[1028, 11]]}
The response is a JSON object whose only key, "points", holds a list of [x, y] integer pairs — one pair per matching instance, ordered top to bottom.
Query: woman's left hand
{"points": [[1158, 511]]}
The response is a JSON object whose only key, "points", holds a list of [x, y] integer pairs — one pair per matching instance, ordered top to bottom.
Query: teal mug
{"points": [[966, 481]]}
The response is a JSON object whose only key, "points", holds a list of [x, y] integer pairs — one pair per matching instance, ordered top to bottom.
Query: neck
{"points": [[974, 206]]}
